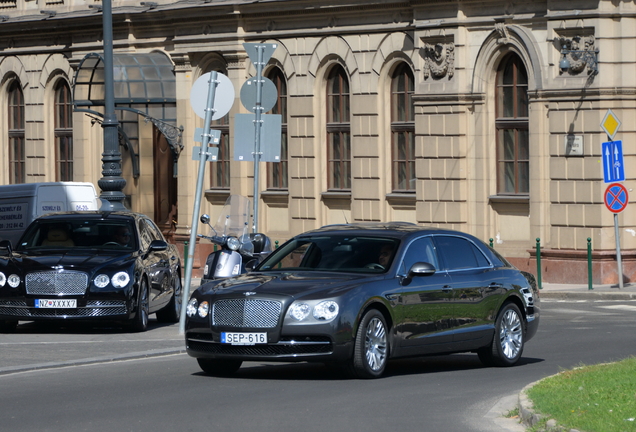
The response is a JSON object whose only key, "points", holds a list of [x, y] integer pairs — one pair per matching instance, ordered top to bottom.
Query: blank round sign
{"points": [[223, 96]]}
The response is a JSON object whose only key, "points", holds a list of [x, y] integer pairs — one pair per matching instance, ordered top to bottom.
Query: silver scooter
{"points": [[237, 251]]}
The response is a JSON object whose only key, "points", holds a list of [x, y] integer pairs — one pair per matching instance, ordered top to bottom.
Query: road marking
{"points": [[622, 307]]}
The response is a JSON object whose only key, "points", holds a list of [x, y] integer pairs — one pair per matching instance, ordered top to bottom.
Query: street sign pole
{"points": [[259, 54], [209, 113], [257, 132], [616, 196], [619, 260]]}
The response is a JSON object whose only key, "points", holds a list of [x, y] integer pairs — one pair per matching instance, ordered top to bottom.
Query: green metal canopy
{"points": [[144, 83]]}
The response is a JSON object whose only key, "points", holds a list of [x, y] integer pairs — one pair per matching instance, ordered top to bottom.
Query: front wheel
{"points": [[172, 311], [140, 322], [508, 341], [371, 349], [219, 367]]}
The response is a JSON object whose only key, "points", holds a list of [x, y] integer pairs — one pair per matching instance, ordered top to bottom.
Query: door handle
{"points": [[447, 288]]}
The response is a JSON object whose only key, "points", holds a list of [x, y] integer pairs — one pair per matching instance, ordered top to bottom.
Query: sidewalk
{"points": [[582, 292]]}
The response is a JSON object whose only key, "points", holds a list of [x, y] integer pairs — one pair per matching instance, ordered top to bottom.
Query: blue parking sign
{"points": [[613, 165]]}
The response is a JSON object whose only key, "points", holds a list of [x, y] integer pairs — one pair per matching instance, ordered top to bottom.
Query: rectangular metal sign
{"points": [[245, 137], [613, 165]]}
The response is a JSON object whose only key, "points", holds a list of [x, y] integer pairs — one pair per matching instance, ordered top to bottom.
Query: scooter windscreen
{"points": [[233, 222]]}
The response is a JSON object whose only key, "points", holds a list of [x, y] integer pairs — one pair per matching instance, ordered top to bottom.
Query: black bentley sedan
{"points": [[114, 266], [360, 294]]}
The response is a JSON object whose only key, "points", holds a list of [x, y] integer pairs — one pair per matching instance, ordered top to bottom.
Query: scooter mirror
{"points": [[205, 219]]}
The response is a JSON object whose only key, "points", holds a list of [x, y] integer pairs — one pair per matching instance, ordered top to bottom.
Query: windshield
{"points": [[80, 234], [342, 253]]}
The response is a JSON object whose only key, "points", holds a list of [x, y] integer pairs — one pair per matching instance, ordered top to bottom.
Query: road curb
{"points": [[587, 295], [93, 360]]}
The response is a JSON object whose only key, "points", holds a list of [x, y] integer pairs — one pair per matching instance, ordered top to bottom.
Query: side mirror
{"points": [[205, 219], [157, 246], [5, 248], [250, 265], [421, 269]]}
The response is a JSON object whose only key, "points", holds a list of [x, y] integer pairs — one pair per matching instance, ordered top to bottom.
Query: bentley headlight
{"points": [[233, 243], [3, 279], [120, 279], [14, 280], [101, 281], [192, 307], [204, 309], [326, 310], [299, 311]]}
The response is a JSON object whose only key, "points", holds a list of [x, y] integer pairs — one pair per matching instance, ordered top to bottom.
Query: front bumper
{"points": [[21, 310], [204, 343]]}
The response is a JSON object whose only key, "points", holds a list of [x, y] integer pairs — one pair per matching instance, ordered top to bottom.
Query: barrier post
{"points": [[491, 242], [185, 254], [539, 262], [589, 264]]}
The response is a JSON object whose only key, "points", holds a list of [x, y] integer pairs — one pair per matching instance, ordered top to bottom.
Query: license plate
{"points": [[56, 304], [243, 338]]}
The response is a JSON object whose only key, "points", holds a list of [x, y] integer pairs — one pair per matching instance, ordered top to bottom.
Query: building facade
{"points": [[460, 114]]}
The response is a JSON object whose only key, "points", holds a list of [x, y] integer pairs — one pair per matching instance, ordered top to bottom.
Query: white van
{"points": [[21, 203]]}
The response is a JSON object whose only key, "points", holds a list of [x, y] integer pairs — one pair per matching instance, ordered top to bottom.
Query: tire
{"points": [[172, 311], [140, 322], [8, 326], [508, 340], [371, 349], [217, 367]]}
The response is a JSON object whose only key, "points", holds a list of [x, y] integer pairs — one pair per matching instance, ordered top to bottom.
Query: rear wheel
{"points": [[172, 312], [140, 322], [508, 341], [371, 349], [217, 367]]}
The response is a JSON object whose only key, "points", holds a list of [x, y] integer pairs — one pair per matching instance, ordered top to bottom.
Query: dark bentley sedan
{"points": [[114, 266], [360, 294]]}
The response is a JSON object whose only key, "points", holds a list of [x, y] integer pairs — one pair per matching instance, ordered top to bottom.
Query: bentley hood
{"points": [[297, 284]]}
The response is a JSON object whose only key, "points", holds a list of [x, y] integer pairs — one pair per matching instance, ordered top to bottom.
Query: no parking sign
{"points": [[616, 197]]}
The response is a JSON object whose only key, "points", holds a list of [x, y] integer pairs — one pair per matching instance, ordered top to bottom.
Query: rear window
{"points": [[459, 253]]}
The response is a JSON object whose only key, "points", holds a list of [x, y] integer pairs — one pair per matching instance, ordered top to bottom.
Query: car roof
{"points": [[90, 215], [390, 229]]}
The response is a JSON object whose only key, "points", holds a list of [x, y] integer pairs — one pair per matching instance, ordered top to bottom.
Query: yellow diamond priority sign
{"points": [[610, 124]]}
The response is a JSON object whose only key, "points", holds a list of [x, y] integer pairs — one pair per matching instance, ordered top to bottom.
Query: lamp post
{"points": [[111, 183]]}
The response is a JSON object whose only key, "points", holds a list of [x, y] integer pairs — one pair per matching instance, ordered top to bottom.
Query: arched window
{"points": [[402, 129], [338, 130], [63, 132], [513, 148], [17, 158], [220, 170], [277, 175]]}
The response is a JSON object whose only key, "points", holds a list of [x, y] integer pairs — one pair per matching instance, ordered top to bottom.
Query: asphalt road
{"points": [[168, 392]]}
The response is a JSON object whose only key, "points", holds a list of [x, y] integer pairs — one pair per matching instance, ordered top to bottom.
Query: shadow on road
{"points": [[80, 327], [401, 367]]}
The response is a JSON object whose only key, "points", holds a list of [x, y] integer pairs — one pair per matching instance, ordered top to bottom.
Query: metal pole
{"points": [[257, 136], [111, 183], [197, 197], [618, 252], [539, 262], [589, 264]]}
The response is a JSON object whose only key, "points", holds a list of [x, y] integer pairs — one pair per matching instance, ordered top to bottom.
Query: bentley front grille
{"points": [[56, 283], [96, 308], [246, 313]]}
